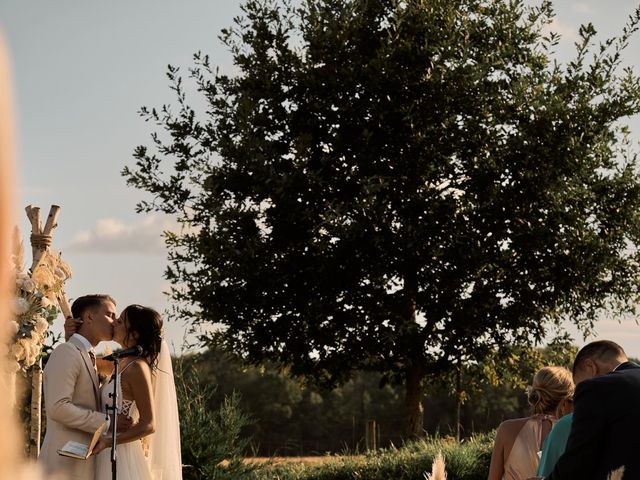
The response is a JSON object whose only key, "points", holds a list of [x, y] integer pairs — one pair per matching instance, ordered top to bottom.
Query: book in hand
{"points": [[80, 450]]}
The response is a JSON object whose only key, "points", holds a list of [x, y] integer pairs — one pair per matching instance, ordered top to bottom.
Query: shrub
{"points": [[212, 446], [466, 460]]}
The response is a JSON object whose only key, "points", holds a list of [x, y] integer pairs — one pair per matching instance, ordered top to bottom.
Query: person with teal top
{"points": [[554, 445]]}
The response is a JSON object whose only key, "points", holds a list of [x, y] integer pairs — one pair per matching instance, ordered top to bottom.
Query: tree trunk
{"points": [[458, 401], [36, 410], [414, 411], [370, 437]]}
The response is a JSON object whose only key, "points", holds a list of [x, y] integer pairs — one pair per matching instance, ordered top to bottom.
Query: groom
{"points": [[71, 388]]}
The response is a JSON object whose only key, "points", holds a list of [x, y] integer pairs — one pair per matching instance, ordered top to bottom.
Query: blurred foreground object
{"points": [[11, 465]]}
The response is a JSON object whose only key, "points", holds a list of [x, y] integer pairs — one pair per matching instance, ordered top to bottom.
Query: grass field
{"points": [[311, 460], [466, 460]]}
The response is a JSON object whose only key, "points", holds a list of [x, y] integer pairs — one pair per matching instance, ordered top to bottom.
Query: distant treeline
{"points": [[292, 418]]}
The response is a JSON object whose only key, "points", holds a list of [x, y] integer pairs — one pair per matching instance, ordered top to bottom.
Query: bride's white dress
{"points": [[163, 460], [132, 463]]}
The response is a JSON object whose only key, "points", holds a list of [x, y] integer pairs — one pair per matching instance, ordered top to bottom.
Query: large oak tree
{"points": [[397, 185]]}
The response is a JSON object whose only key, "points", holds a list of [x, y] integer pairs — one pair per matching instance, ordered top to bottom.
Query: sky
{"points": [[82, 70]]}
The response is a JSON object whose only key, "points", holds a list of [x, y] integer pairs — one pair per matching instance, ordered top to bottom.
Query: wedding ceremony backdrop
{"points": [[364, 199], [39, 297]]}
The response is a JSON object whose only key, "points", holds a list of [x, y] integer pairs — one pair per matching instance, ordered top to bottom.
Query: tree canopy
{"points": [[397, 186]]}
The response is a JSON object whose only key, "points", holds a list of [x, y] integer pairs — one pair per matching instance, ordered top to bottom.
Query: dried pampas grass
{"points": [[437, 469], [616, 474]]}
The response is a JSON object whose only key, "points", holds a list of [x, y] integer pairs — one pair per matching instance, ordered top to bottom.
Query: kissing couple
{"points": [[148, 428]]}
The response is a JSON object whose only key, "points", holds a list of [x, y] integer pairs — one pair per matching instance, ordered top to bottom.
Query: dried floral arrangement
{"points": [[35, 305]]}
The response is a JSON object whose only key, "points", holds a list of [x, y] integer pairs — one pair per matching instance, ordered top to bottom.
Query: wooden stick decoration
{"points": [[41, 238], [40, 242], [64, 305], [36, 410]]}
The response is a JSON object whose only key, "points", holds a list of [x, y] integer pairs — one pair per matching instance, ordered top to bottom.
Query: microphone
{"points": [[127, 352]]}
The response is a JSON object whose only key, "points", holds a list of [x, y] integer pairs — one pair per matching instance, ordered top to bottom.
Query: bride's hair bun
{"points": [[147, 324], [550, 386]]}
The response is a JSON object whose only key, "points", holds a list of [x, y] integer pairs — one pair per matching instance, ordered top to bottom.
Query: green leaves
{"points": [[392, 185], [219, 454]]}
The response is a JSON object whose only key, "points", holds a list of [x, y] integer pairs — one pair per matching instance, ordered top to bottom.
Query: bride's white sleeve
{"points": [[164, 445]]}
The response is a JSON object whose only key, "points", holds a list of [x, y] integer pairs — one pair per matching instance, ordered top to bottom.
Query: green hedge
{"points": [[467, 460]]}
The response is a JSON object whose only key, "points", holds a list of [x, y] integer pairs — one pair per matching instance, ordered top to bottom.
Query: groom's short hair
{"points": [[86, 302], [602, 350]]}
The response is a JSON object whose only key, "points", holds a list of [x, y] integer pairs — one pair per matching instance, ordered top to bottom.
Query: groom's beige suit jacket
{"points": [[72, 401]]}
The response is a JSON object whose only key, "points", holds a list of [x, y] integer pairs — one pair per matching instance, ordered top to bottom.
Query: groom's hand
{"points": [[71, 326], [124, 422], [104, 442]]}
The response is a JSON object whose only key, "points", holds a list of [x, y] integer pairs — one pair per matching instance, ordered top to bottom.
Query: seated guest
{"points": [[606, 416], [518, 441], [555, 443]]}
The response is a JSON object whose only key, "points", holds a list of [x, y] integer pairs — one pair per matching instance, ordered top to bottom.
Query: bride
{"points": [[150, 448]]}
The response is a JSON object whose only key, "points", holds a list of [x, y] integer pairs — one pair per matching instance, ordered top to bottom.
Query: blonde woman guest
{"points": [[518, 441]]}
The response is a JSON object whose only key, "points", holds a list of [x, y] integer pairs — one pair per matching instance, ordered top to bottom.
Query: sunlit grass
{"points": [[467, 460]]}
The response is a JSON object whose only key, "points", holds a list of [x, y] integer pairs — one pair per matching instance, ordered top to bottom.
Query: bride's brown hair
{"points": [[147, 324]]}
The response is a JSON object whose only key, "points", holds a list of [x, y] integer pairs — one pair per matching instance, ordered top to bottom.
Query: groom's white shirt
{"points": [[85, 342], [90, 348], [72, 401]]}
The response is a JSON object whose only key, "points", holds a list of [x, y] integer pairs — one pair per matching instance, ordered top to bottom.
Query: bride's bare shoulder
{"points": [[137, 368]]}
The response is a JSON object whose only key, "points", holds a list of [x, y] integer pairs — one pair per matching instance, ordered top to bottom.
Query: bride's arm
{"points": [[138, 381]]}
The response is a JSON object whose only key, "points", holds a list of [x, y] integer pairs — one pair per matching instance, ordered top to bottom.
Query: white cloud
{"points": [[581, 7], [110, 235]]}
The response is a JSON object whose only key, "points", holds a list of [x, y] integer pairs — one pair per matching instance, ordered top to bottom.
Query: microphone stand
{"points": [[115, 358], [113, 409]]}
